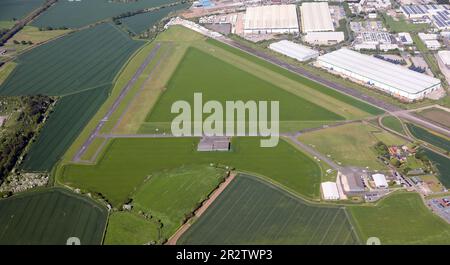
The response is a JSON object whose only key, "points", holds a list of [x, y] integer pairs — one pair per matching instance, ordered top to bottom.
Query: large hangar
{"points": [[316, 17], [271, 19], [294, 50], [396, 80]]}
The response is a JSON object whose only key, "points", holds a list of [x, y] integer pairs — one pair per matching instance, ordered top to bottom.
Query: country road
{"points": [[117, 102]]}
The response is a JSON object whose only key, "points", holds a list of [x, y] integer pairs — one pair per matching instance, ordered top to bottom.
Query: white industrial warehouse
{"points": [[316, 17], [271, 19], [324, 38], [294, 50], [394, 79], [380, 181], [329, 190]]}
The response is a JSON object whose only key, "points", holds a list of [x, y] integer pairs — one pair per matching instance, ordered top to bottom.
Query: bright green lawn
{"points": [[351, 144], [127, 162], [171, 194], [401, 219], [127, 228]]}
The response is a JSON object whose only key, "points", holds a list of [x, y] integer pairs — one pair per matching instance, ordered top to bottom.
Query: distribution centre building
{"points": [[315, 17], [271, 19], [324, 38], [294, 50], [394, 79], [329, 190]]}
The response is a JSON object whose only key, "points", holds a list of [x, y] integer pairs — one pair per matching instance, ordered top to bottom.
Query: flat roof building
{"points": [[316, 17], [271, 19], [324, 38], [405, 38], [432, 44], [294, 50], [444, 56], [394, 79], [380, 181], [351, 182], [329, 191]]}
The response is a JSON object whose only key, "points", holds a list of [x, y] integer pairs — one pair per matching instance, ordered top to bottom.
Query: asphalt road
{"points": [[117, 102]]}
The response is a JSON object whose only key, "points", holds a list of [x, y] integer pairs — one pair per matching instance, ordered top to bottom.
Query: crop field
{"points": [[10, 9], [75, 14], [141, 22], [79, 61], [6, 70], [302, 80], [220, 81], [437, 115], [70, 116], [393, 123], [426, 136], [351, 144], [126, 163], [442, 164], [171, 194], [252, 211], [51, 216], [401, 219], [127, 228]]}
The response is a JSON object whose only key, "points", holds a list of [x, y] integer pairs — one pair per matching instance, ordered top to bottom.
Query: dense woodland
{"points": [[27, 113]]}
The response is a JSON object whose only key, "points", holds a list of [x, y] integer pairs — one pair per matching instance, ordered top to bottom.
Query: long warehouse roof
{"points": [[271, 17], [316, 17], [294, 50], [381, 71]]}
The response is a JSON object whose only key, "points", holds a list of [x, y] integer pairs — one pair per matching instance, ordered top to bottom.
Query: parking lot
{"points": [[441, 206]]}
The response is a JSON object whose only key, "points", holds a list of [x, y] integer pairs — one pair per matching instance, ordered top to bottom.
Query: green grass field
{"points": [[10, 9], [75, 14], [141, 22], [402, 25], [82, 60], [6, 70], [200, 72], [302, 80], [437, 115], [70, 116], [393, 123], [426, 136], [351, 144], [127, 162], [442, 164], [171, 194], [252, 211], [51, 216], [401, 219], [127, 228]]}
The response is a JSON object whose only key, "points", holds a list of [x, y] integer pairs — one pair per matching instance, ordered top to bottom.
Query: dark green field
{"points": [[10, 9], [77, 14], [142, 22], [83, 60], [220, 81], [321, 88], [71, 114], [429, 137], [127, 162], [442, 164], [252, 211], [50, 217]]}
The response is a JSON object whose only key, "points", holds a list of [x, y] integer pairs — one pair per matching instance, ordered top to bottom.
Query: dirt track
{"points": [[173, 239]]}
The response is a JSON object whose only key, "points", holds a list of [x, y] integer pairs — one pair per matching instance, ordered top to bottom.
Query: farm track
{"points": [[116, 103]]}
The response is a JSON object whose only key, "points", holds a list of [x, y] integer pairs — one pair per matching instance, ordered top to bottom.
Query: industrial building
{"points": [[438, 14], [316, 17], [271, 19], [324, 38], [405, 38], [432, 44], [294, 50], [444, 57], [394, 79], [380, 181], [352, 183], [329, 191]]}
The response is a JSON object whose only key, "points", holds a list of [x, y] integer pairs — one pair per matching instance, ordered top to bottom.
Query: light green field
{"points": [[7, 24], [402, 25], [33, 34], [6, 70], [393, 123], [351, 144], [127, 162], [171, 194], [401, 219], [127, 228]]}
